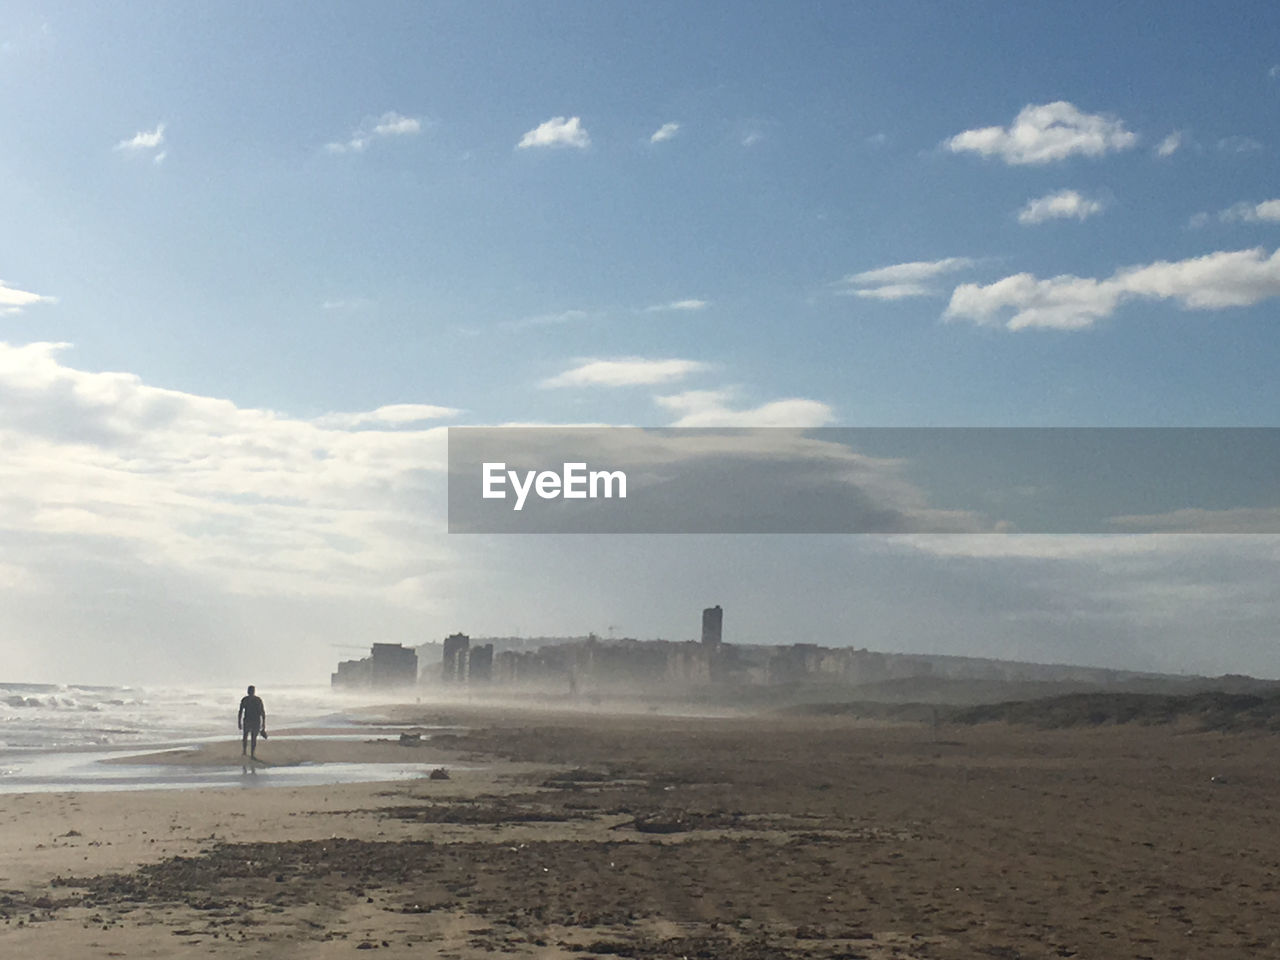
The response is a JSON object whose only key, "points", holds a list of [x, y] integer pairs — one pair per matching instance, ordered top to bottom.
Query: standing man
{"points": [[252, 719]]}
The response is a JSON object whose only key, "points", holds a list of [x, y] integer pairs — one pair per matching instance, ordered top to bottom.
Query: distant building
{"points": [[712, 622], [456, 657], [797, 662], [480, 664], [388, 665], [393, 666], [662, 667], [351, 674]]}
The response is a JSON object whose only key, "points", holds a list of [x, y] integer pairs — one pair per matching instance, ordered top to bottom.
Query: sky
{"points": [[256, 259]]}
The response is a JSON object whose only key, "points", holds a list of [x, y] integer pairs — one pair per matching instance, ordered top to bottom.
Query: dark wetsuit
{"points": [[253, 717]]}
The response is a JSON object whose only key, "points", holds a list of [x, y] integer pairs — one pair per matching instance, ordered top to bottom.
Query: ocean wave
{"points": [[53, 716]]}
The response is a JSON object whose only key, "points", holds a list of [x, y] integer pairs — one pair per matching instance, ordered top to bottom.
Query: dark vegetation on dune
{"points": [[1228, 703], [872, 710], [1214, 710]]}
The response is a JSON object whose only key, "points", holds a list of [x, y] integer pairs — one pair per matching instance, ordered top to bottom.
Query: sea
{"points": [[56, 737]]}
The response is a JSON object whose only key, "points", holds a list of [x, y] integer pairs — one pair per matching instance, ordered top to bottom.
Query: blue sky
{"points": [[826, 213]]}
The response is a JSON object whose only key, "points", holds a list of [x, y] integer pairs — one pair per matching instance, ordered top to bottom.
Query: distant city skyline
{"points": [[257, 260]]}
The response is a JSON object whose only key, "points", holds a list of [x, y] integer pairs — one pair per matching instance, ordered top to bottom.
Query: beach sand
{"points": [[579, 835]]}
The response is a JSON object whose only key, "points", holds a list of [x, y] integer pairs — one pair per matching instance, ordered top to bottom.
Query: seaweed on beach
{"points": [[478, 813], [553, 882]]}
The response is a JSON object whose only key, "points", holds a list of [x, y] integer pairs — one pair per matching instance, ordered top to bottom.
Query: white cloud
{"points": [[1274, 72], [390, 124], [393, 124], [557, 132], [665, 132], [1042, 133], [752, 138], [144, 141], [1239, 144], [1169, 145], [1065, 204], [1268, 211], [915, 270], [1236, 278], [900, 280], [892, 291], [13, 301], [1063, 302], [685, 306], [625, 372], [711, 408], [392, 415]]}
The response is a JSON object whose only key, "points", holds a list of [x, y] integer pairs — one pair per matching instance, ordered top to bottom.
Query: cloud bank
{"points": [[248, 501]]}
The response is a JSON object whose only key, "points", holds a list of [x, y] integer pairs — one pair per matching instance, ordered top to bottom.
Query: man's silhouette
{"points": [[252, 719]]}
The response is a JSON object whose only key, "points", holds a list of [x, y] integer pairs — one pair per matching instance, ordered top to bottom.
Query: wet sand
{"points": [[291, 750], [576, 836]]}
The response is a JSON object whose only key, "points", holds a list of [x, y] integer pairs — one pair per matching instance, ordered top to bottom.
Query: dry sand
{"points": [[582, 836]]}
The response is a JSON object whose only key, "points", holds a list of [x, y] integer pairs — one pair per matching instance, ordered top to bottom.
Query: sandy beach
{"points": [[579, 835]]}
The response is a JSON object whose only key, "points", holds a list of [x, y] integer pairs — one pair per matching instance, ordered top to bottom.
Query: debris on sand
{"points": [[439, 773], [662, 823]]}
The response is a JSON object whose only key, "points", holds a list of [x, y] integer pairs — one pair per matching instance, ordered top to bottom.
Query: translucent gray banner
{"points": [[863, 480]]}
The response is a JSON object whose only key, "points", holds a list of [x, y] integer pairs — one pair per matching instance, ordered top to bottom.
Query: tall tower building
{"points": [[712, 620], [456, 649]]}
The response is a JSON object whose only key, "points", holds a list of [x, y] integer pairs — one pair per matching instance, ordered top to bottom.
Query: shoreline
{"points": [[294, 757]]}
